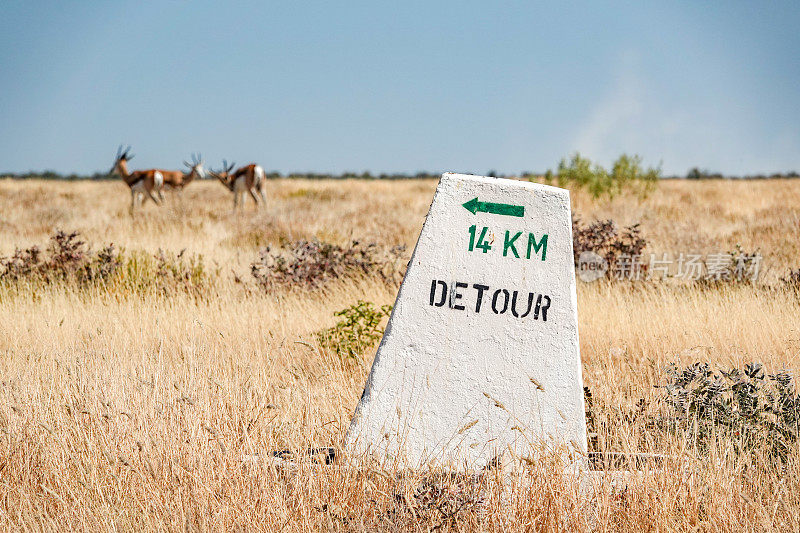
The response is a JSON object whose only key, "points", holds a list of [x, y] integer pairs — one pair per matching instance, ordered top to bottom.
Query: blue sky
{"points": [[400, 86]]}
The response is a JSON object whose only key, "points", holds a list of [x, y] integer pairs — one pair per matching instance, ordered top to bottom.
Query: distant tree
{"points": [[627, 173], [694, 174]]}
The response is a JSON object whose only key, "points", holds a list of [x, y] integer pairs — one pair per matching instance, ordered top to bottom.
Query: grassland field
{"points": [[126, 410]]}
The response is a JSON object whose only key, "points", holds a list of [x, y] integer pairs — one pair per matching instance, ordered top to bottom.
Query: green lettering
{"points": [[472, 237], [483, 244], [509, 244], [541, 245]]}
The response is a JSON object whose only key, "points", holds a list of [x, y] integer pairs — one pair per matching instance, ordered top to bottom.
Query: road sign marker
{"points": [[480, 356]]}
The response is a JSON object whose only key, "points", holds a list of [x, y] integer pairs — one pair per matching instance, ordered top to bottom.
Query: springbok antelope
{"points": [[177, 179], [247, 179], [143, 183]]}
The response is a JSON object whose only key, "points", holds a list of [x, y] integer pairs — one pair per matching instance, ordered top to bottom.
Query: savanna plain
{"points": [[145, 386]]}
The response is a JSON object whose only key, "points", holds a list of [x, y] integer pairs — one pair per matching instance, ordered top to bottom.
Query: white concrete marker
{"points": [[481, 351]]}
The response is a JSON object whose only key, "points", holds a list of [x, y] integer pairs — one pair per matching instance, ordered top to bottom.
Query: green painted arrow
{"points": [[475, 206]]}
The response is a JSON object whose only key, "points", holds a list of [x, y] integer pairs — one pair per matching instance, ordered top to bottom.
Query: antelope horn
{"points": [[124, 154]]}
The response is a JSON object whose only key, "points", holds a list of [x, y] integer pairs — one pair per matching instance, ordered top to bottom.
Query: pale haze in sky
{"points": [[400, 86]]}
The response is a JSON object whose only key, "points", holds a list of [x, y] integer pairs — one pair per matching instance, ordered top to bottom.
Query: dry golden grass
{"points": [[144, 411]]}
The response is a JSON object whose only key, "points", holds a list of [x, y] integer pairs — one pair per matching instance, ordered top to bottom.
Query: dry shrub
{"points": [[605, 239], [67, 258], [310, 264], [735, 267], [792, 279], [443, 497], [541, 497], [410, 501]]}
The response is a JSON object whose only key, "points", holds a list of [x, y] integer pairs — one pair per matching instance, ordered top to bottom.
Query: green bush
{"points": [[627, 173], [359, 329], [744, 413], [758, 413]]}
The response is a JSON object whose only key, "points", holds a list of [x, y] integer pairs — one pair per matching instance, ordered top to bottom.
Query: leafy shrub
{"points": [[626, 173], [604, 238], [310, 264], [359, 328], [758, 413], [753, 414]]}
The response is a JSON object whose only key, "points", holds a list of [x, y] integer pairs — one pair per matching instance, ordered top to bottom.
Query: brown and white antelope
{"points": [[177, 179], [249, 179], [144, 184]]}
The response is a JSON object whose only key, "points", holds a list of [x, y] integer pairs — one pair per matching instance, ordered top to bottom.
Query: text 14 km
{"points": [[514, 245]]}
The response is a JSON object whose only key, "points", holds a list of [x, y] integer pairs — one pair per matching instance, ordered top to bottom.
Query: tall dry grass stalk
{"points": [[154, 410]]}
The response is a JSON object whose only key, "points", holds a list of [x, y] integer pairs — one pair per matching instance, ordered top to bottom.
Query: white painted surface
{"points": [[441, 374]]}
